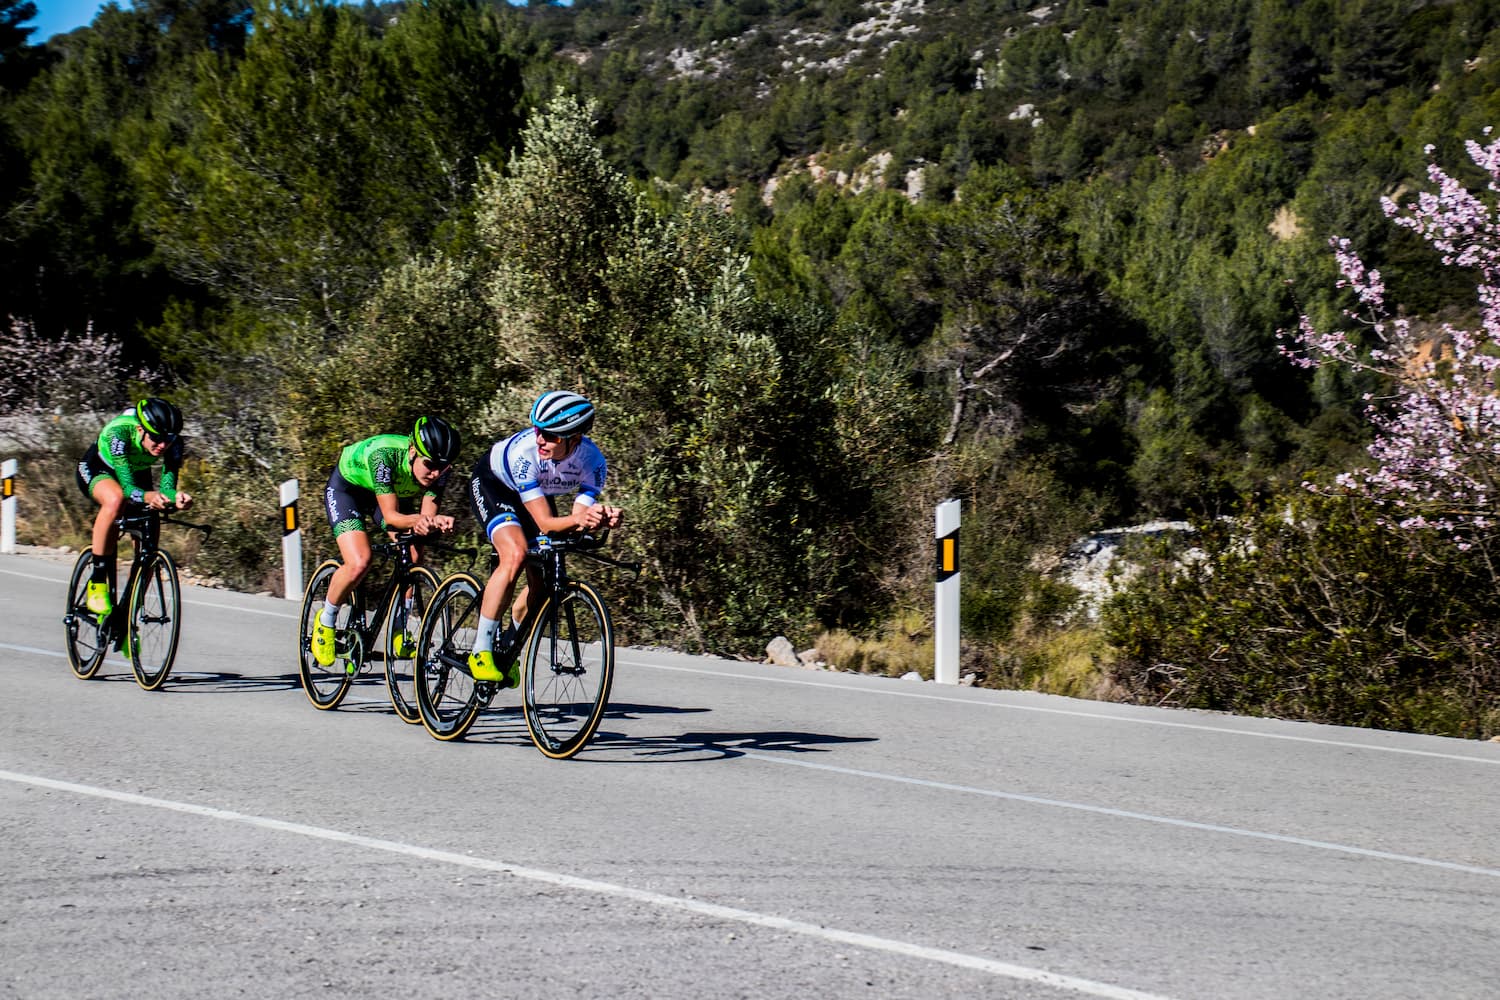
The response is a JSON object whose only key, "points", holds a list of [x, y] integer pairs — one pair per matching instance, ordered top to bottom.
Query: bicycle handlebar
{"points": [[145, 515], [207, 529], [406, 538], [586, 545]]}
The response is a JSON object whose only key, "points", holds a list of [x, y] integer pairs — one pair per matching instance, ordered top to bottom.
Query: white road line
{"points": [[35, 576], [194, 603], [249, 611], [36, 650], [1099, 716], [1186, 824], [1321, 845], [713, 911]]}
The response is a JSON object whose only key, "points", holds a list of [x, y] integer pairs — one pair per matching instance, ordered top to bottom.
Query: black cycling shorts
{"points": [[91, 468], [494, 503], [350, 507]]}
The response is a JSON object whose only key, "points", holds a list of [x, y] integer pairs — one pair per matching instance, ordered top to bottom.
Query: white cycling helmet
{"points": [[560, 412]]}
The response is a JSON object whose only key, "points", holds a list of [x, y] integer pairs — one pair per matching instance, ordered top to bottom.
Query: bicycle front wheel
{"points": [[409, 604], [154, 623], [86, 637], [570, 665], [325, 685], [448, 698]]}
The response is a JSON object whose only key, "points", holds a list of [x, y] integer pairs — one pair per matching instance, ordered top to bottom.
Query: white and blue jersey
{"points": [[512, 473]]}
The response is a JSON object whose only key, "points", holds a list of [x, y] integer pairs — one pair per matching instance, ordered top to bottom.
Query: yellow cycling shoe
{"points": [[97, 599], [322, 643], [403, 646], [482, 667]]}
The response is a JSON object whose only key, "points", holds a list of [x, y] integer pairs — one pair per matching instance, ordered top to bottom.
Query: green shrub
{"points": [[1307, 607]]}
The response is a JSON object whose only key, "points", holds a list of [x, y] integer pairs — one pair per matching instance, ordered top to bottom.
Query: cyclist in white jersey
{"points": [[511, 493]]}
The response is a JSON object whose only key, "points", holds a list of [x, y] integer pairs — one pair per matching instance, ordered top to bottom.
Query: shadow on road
{"points": [[210, 682], [504, 724], [698, 745]]}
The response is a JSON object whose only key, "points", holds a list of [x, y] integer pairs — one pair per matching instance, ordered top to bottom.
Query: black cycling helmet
{"points": [[562, 413], [161, 419], [436, 440]]}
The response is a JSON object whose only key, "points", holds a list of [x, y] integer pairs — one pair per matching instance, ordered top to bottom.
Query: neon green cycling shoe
{"points": [[98, 600], [323, 644], [403, 646], [483, 668]]}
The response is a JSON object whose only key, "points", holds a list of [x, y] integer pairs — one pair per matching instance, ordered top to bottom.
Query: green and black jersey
{"points": [[120, 454], [366, 469]]}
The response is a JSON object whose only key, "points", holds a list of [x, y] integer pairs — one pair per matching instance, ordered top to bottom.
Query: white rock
{"points": [[781, 652]]}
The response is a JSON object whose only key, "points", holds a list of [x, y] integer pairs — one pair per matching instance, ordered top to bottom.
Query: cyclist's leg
{"points": [[108, 494], [351, 514], [508, 527], [509, 541], [355, 556], [521, 606]]}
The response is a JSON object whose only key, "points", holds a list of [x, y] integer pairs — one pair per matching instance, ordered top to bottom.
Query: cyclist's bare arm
{"points": [[583, 517], [442, 522], [421, 523]]}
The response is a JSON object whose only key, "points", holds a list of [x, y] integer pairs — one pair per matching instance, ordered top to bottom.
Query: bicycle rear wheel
{"points": [[409, 604], [154, 623], [86, 637], [570, 665], [326, 686], [448, 698]]}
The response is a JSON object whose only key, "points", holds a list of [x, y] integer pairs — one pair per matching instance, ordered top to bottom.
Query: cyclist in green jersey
{"points": [[116, 471], [366, 489]]}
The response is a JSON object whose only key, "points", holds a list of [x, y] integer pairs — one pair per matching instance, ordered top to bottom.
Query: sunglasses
{"points": [[551, 438], [166, 439], [432, 466]]}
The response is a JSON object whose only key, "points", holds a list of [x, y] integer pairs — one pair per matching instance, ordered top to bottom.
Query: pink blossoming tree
{"points": [[1437, 446]]}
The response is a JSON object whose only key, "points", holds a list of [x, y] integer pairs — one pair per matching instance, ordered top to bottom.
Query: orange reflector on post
{"points": [[947, 556]]}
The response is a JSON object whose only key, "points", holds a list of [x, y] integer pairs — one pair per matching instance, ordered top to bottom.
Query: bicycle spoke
{"points": [[409, 605], [152, 626], [86, 638], [569, 669], [326, 684], [448, 699]]}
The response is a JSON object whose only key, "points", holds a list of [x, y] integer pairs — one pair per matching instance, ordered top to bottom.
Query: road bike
{"points": [[395, 592], [146, 621], [566, 647]]}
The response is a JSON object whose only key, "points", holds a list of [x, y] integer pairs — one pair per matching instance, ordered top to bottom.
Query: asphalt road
{"points": [[736, 830]]}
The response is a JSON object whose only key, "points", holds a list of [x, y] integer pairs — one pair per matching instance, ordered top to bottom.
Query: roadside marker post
{"points": [[8, 505], [291, 542], [946, 597]]}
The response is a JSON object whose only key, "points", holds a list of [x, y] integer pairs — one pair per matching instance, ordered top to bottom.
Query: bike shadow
{"points": [[207, 681], [505, 725], [608, 747]]}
